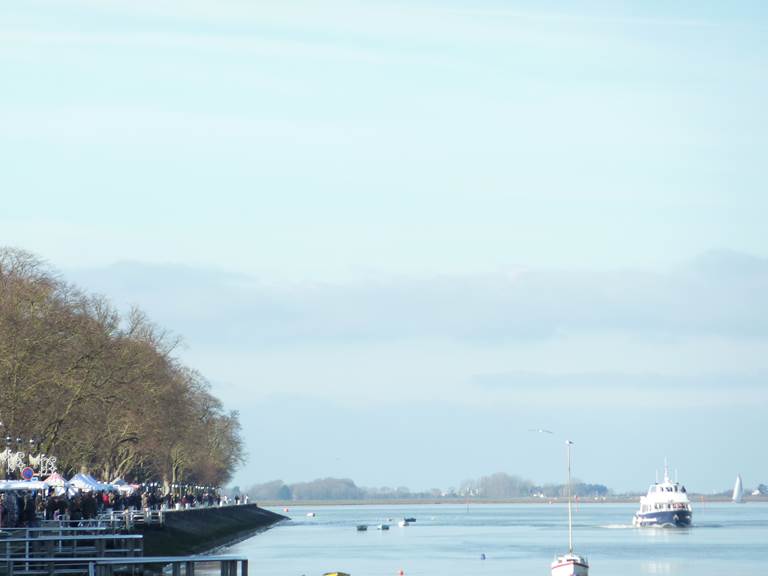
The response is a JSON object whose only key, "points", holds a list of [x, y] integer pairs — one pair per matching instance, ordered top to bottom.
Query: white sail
{"points": [[738, 490]]}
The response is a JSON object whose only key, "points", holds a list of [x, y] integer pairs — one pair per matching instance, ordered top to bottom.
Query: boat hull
{"points": [[672, 518], [570, 567]]}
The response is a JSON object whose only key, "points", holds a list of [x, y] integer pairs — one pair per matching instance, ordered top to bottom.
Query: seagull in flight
{"points": [[542, 430]]}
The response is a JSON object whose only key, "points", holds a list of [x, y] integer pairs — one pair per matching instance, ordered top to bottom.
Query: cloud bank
{"points": [[720, 294], [460, 367]]}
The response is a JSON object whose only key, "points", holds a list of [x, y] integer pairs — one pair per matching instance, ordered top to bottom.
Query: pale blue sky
{"points": [[425, 208]]}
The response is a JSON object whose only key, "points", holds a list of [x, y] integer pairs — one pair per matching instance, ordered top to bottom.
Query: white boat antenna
{"points": [[666, 470], [657, 475]]}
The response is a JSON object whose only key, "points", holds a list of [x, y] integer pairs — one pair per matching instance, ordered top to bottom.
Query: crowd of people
{"points": [[25, 508]]}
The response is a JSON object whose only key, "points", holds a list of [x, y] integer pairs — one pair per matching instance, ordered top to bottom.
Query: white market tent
{"points": [[56, 480], [87, 483], [6, 485], [99, 485], [122, 486]]}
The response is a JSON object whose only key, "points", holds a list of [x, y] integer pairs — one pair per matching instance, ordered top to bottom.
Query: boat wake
{"points": [[617, 526]]}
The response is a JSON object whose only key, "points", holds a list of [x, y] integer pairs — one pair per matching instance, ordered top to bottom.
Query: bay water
{"points": [[515, 539]]}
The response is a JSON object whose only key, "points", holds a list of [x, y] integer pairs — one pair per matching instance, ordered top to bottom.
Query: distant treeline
{"points": [[100, 390], [496, 486]]}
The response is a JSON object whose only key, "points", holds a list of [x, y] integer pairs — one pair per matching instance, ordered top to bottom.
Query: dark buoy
{"points": [[482, 556]]}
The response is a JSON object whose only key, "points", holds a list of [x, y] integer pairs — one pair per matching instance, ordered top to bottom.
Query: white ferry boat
{"points": [[666, 504]]}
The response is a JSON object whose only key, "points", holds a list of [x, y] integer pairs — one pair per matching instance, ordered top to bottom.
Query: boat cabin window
{"points": [[682, 489]]}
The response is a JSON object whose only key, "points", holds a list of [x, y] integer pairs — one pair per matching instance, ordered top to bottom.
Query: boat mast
{"points": [[568, 443]]}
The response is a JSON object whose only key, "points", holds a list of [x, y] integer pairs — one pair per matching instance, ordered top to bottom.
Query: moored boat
{"points": [[570, 564]]}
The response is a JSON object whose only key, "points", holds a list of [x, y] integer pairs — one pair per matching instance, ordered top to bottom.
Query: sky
{"points": [[397, 235]]}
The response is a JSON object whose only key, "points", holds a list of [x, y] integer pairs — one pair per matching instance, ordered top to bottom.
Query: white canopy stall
{"points": [[56, 480], [87, 483], [59, 484], [6, 485], [122, 486]]}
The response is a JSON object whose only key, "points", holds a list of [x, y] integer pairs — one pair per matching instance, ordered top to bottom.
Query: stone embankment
{"points": [[197, 530]]}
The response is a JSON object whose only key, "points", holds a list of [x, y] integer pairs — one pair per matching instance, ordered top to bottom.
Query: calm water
{"points": [[517, 539]]}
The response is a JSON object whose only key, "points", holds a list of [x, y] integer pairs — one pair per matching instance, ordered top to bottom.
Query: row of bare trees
{"points": [[102, 391]]}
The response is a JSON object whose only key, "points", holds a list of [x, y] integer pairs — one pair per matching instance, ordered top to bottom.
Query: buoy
{"points": [[286, 510], [482, 556], [401, 572]]}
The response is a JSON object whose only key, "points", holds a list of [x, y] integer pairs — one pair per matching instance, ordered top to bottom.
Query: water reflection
{"points": [[450, 540], [656, 567]]}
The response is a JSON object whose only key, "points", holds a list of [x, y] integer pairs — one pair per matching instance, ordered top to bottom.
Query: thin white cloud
{"points": [[719, 295]]}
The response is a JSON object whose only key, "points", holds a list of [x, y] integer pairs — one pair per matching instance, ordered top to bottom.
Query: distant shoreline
{"points": [[695, 499]]}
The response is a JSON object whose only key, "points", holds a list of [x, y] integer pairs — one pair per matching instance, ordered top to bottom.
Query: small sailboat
{"points": [[738, 490], [570, 564]]}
